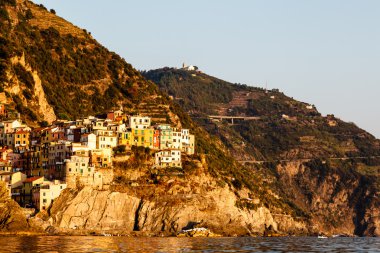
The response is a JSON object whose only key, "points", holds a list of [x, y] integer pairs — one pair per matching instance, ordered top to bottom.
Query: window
{"points": [[44, 201]]}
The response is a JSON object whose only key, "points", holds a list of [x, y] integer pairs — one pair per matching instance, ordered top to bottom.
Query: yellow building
{"points": [[137, 137], [142, 137], [125, 138], [21, 139]]}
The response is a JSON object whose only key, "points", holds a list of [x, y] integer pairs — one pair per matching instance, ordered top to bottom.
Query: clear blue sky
{"points": [[325, 52]]}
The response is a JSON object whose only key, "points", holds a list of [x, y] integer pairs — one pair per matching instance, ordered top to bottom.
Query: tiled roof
{"points": [[32, 179]]}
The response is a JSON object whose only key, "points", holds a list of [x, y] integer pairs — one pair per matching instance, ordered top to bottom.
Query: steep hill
{"points": [[52, 69], [328, 167]]}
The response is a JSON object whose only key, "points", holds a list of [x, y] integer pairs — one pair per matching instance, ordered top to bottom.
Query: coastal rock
{"points": [[99, 210], [169, 213], [12, 218]]}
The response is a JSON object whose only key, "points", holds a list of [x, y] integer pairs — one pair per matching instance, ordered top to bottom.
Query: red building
{"points": [[156, 139]]}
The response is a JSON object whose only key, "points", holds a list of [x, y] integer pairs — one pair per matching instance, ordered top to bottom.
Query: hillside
{"points": [[51, 69], [328, 167]]}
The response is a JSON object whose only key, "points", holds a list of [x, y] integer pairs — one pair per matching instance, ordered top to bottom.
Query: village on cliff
{"points": [[37, 164]]}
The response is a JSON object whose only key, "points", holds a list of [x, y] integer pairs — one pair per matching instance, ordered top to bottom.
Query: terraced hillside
{"points": [[328, 167]]}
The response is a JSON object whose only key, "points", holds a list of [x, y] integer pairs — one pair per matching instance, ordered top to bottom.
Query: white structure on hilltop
{"points": [[189, 68]]}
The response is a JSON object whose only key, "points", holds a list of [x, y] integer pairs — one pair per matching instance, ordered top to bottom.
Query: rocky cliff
{"points": [[166, 207], [12, 218]]}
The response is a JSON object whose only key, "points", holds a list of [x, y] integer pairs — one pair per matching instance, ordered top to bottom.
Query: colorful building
{"points": [[168, 158]]}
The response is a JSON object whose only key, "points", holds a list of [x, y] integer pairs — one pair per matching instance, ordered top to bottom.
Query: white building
{"points": [[188, 68], [139, 122], [99, 124], [11, 125], [105, 139], [89, 140], [176, 140], [188, 143], [168, 158], [78, 170], [49, 192]]}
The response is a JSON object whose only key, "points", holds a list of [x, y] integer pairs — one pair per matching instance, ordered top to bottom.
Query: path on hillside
{"points": [[307, 159]]}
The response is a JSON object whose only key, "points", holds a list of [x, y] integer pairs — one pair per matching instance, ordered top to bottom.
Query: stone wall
{"points": [[101, 179]]}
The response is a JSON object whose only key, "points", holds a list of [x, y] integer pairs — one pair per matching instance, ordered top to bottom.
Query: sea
{"points": [[74, 244]]}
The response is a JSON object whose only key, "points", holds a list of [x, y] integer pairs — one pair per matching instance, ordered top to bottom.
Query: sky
{"points": [[324, 52]]}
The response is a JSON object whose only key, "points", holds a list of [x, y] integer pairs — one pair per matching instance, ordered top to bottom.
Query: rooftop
{"points": [[31, 179]]}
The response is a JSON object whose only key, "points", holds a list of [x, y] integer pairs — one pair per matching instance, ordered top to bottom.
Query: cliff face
{"points": [[338, 199], [171, 205], [11, 216]]}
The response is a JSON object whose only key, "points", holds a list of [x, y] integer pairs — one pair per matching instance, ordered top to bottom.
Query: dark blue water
{"points": [[208, 245]]}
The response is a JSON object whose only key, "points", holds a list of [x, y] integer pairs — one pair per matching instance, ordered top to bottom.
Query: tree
{"points": [[52, 11], [29, 14]]}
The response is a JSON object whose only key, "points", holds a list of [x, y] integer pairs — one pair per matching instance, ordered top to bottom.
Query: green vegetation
{"points": [[9, 2], [24, 76], [79, 76], [186, 89], [288, 130], [119, 149]]}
